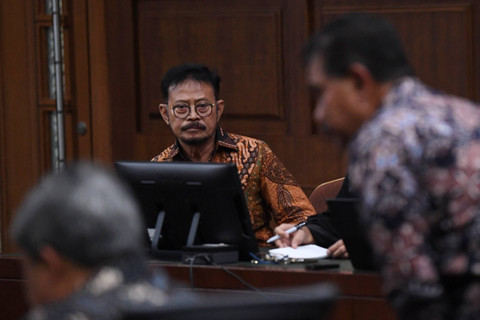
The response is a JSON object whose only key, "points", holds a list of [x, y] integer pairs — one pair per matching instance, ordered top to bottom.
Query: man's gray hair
{"points": [[85, 213]]}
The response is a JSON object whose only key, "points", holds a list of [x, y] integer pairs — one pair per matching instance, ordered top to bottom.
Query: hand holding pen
{"points": [[288, 231], [290, 235], [293, 236]]}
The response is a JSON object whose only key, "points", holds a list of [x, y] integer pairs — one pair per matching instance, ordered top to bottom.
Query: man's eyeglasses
{"points": [[182, 111]]}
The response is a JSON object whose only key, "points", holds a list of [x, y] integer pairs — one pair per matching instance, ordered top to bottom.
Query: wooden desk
{"points": [[361, 296], [12, 301]]}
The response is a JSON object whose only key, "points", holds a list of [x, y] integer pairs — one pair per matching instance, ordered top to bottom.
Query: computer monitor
{"points": [[191, 203]]}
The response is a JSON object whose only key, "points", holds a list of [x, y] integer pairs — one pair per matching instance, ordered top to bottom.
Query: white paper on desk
{"points": [[309, 251]]}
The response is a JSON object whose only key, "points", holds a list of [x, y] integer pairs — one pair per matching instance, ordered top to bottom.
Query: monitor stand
{"points": [[158, 229], [190, 253], [162, 254]]}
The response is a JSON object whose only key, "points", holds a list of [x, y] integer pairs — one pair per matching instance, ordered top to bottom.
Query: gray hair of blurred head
{"points": [[85, 213]]}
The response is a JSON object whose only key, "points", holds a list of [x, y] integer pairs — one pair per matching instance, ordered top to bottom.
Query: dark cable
{"points": [[192, 261], [210, 261], [245, 283]]}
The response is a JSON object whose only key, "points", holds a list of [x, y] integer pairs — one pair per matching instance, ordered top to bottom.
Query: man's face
{"points": [[337, 102], [194, 129]]}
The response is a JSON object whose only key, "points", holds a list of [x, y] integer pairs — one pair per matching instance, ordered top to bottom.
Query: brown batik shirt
{"points": [[270, 190]]}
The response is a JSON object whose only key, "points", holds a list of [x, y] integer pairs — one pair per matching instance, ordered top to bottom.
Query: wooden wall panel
{"points": [[209, 35], [438, 38], [241, 41], [80, 73], [101, 101], [19, 144], [3, 184]]}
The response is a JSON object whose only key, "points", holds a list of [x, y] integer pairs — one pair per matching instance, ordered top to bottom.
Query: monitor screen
{"points": [[208, 196]]}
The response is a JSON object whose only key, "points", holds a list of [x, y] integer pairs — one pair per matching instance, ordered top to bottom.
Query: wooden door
{"points": [[27, 96]]}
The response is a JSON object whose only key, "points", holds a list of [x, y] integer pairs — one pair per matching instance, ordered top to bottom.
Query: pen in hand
{"points": [[288, 231]]}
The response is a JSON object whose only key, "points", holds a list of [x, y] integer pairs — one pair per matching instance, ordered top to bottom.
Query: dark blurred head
{"points": [[368, 39], [351, 64], [72, 224]]}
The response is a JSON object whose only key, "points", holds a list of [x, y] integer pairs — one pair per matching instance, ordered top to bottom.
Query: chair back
{"points": [[325, 191]]}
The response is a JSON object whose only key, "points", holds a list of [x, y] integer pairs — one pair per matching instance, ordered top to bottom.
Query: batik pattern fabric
{"points": [[416, 167], [271, 193], [114, 291]]}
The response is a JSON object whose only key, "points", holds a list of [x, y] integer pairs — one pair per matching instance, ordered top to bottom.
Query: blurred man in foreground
{"points": [[414, 164], [82, 239]]}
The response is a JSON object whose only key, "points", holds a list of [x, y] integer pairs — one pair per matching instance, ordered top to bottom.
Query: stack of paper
{"points": [[309, 251]]}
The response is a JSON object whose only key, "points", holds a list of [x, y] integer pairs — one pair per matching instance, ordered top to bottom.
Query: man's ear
{"points": [[361, 76], [369, 91], [220, 105], [163, 108], [55, 263]]}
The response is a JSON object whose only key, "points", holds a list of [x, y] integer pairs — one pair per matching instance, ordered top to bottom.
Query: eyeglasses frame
{"points": [[190, 110]]}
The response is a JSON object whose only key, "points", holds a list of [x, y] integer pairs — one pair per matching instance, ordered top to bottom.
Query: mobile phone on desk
{"points": [[323, 266]]}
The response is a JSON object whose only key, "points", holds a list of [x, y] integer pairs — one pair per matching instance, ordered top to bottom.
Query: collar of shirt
{"points": [[402, 88], [222, 140]]}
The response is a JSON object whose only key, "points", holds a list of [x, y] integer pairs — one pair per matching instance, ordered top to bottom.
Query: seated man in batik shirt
{"points": [[192, 110]]}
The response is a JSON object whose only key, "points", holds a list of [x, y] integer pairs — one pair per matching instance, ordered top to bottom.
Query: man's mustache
{"points": [[194, 125]]}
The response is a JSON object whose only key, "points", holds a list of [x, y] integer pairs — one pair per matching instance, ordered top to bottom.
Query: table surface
{"points": [[349, 281], [360, 292]]}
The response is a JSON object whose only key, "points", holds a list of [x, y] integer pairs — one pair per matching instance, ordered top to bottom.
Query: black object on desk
{"points": [[188, 204], [344, 215], [210, 254], [323, 266]]}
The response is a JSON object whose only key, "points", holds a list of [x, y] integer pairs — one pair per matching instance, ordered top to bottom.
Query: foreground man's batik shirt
{"points": [[416, 167]]}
